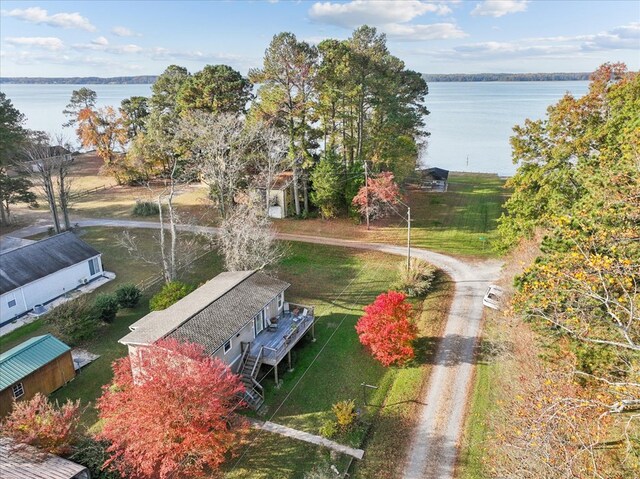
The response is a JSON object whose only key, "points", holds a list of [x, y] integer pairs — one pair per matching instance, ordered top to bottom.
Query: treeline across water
{"points": [[440, 77], [471, 77]]}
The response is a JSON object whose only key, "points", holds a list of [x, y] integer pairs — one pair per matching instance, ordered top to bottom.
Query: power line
{"points": [[259, 434]]}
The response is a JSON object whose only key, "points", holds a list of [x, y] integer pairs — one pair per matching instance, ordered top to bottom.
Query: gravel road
{"points": [[436, 440]]}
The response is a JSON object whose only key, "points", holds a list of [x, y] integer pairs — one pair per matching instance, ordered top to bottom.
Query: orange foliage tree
{"points": [[104, 129], [378, 197], [386, 329], [176, 418], [39, 423]]}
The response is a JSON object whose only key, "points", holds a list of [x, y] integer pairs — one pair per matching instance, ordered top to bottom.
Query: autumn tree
{"points": [[104, 130], [578, 185], [378, 197], [386, 329], [174, 416], [40, 423]]}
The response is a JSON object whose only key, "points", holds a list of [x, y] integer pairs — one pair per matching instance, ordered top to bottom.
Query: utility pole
{"points": [[366, 190], [408, 238]]}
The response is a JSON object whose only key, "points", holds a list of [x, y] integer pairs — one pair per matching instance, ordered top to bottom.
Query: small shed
{"points": [[434, 179], [280, 195], [39, 272], [41, 364], [24, 462]]}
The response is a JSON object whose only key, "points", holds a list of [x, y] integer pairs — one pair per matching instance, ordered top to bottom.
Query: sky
{"points": [[122, 38]]}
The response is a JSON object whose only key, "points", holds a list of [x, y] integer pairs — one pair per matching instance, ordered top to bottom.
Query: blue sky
{"points": [[112, 38]]}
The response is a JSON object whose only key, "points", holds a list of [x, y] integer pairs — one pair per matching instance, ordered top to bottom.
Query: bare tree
{"points": [[221, 147], [270, 158], [47, 163], [247, 240], [176, 249]]}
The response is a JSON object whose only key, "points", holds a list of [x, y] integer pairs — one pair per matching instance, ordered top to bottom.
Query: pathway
{"points": [[306, 437], [436, 440]]}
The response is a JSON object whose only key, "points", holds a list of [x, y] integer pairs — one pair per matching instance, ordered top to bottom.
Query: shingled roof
{"points": [[28, 263], [212, 313]]}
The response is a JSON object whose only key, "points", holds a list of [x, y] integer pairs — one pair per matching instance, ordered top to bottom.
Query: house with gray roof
{"points": [[36, 273], [240, 317], [40, 364], [23, 461]]}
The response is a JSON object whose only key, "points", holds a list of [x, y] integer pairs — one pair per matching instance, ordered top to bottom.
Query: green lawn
{"points": [[461, 221], [338, 282]]}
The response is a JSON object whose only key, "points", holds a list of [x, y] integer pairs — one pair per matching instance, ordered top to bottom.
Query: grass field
{"points": [[461, 221], [338, 282]]}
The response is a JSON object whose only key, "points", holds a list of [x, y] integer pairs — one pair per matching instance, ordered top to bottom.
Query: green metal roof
{"points": [[28, 357]]}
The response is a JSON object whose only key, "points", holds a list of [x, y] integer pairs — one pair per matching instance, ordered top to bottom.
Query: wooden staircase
{"points": [[250, 366]]}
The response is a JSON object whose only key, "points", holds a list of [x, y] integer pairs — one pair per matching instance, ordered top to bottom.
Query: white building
{"points": [[40, 272]]}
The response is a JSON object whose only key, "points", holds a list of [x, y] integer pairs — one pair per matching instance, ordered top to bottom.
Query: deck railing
{"points": [[291, 337]]}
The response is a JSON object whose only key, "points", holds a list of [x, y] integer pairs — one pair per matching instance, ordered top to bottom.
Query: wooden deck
{"points": [[290, 329]]}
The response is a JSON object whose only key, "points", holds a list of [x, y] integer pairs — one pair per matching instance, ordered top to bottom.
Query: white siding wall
{"points": [[46, 289], [246, 334]]}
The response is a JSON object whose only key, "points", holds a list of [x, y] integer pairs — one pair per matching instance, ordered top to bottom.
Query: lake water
{"points": [[470, 123]]}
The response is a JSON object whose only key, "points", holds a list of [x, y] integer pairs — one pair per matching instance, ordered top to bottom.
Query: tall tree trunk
{"points": [[292, 152], [305, 186], [63, 197], [51, 199], [4, 214], [163, 253]]}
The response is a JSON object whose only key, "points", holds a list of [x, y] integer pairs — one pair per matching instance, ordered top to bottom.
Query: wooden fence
{"points": [[83, 193]]}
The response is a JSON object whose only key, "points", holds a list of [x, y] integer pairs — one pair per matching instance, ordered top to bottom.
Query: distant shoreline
{"points": [[441, 77]]}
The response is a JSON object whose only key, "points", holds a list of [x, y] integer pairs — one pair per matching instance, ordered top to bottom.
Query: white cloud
{"points": [[498, 8], [373, 12], [41, 16], [435, 31], [124, 32], [626, 37], [100, 41], [48, 43]]}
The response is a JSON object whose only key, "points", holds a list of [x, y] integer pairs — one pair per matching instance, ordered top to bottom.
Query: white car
{"points": [[493, 297]]}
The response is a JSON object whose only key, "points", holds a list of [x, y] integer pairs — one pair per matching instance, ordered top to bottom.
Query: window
{"points": [[94, 266], [280, 300], [11, 303], [227, 347], [18, 390]]}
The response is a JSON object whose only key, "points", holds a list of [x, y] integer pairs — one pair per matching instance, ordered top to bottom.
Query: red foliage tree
{"points": [[380, 195], [386, 328], [176, 418], [39, 423]]}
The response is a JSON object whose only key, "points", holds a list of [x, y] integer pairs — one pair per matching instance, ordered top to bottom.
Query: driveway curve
{"points": [[436, 440]]}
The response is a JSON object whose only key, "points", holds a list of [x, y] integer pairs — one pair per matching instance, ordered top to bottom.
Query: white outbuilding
{"points": [[37, 273]]}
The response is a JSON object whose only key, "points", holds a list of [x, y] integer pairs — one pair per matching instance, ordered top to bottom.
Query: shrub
{"points": [[146, 208], [418, 280], [169, 294], [128, 295], [106, 307], [73, 321], [386, 329], [345, 412], [47, 426], [328, 429], [92, 454]]}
